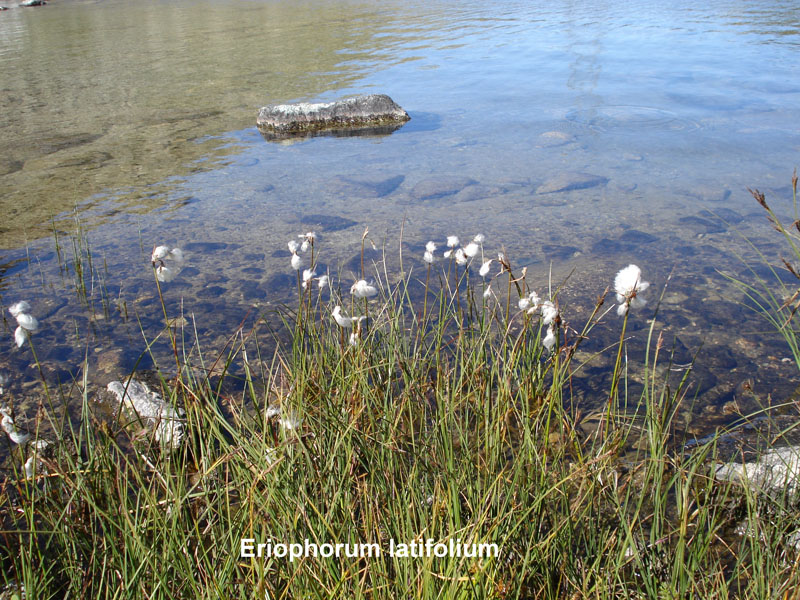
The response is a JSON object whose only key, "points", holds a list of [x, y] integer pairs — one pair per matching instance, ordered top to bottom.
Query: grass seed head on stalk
{"points": [[161, 255], [308, 276], [628, 285], [362, 289], [19, 307], [549, 312], [341, 319], [27, 323], [549, 339], [10, 427]]}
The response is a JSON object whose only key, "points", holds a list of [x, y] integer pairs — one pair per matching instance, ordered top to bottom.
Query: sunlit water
{"points": [[136, 120]]}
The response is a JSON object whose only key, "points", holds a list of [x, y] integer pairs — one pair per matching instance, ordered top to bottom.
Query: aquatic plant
{"points": [[455, 424]]}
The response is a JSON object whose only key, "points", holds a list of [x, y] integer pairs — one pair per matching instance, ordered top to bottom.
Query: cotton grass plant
{"points": [[398, 408]]}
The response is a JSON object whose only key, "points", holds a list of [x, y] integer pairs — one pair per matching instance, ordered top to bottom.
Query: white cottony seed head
{"points": [[159, 253], [176, 254], [297, 262], [165, 274], [628, 285], [361, 289], [19, 307], [341, 320], [28, 322], [20, 336], [550, 339]]}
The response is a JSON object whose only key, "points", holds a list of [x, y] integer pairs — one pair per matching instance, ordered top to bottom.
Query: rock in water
{"points": [[361, 112], [552, 139], [569, 180], [366, 187], [439, 187], [152, 409], [774, 471]]}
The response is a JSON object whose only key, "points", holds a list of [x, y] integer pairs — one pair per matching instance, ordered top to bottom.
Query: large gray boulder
{"points": [[372, 111]]}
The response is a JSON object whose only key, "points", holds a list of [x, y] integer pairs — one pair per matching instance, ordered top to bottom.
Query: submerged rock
{"points": [[360, 112], [552, 139], [570, 180], [367, 187], [439, 187], [709, 193], [327, 222], [700, 225], [559, 252], [149, 406]]}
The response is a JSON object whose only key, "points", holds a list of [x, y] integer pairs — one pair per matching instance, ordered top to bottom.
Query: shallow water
{"points": [[137, 121]]}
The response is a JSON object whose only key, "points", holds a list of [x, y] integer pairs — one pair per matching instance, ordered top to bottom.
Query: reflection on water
{"points": [[577, 137]]}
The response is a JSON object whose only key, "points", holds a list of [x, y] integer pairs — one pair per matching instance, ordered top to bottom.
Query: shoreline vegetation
{"points": [[379, 422]]}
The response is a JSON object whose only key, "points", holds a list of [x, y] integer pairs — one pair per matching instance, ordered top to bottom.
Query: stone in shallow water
{"points": [[366, 111], [552, 139], [570, 180], [366, 187], [439, 187], [471, 193], [709, 193], [726, 214], [319, 222], [698, 225], [634, 236], [628, 241], [557, 252], [149, 406], [774, 471]]}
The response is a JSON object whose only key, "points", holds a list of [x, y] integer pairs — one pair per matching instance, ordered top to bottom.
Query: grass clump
{"points": [[406, 417]]}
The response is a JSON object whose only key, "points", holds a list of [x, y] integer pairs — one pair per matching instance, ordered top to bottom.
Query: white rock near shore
{"points": [[152, 409], [775, 471]]}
